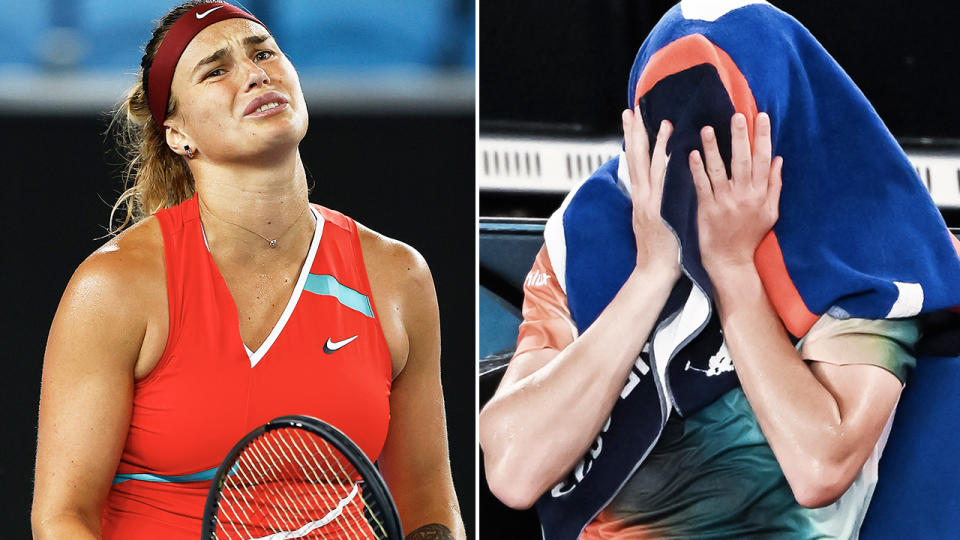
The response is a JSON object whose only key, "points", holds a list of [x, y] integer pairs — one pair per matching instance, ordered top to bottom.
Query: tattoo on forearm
{"points": [[433, 531]]}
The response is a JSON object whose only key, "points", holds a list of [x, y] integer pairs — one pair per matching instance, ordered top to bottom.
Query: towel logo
{"points": [[205, 13], [331, 347], [719, 363], [640, 368], [580, 471]]}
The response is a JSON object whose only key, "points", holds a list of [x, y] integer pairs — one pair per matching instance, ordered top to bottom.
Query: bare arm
{"points": [[110, 327], [85, 399], [551, 404], [823, 420], [415, 460]]}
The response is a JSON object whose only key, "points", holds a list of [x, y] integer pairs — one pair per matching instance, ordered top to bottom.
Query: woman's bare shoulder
{"points": [[134, 252], [131, 262], [399, 263], [398, 277], [113, 298]]}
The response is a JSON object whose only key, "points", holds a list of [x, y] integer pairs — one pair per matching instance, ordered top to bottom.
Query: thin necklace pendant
{"points": [[270, 242]]}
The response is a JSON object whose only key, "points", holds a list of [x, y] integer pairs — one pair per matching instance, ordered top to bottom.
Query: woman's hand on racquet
{"points": [[735, 214], [657, 246]]}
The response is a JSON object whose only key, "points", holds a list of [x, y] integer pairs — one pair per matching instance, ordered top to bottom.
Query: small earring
{"points": [[188, 151]]}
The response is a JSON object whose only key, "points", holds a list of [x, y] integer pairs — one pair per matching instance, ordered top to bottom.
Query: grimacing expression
{"points": [[225, 86]]}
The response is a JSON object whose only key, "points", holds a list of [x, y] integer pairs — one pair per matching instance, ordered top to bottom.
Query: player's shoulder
{"points": [[379, 250], [382, 253], [128, 262]]}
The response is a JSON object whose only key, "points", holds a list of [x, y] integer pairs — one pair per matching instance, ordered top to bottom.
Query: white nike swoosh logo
{"points": [[205, 13], [332, 346]]}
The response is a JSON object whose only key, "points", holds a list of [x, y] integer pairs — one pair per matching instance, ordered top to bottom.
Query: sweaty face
{"points": [[237, 96]]}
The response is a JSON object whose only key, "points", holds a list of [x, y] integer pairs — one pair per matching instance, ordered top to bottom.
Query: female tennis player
{"points": [[229, 301], [656, 390]]}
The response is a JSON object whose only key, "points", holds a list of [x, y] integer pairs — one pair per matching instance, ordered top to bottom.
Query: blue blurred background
{"points": [[82, 53]]}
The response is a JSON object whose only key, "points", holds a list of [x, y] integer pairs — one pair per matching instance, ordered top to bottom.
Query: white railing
{"points": [[556, 165]]}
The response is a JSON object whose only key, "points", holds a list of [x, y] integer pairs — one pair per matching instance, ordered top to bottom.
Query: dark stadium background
{"points": [[547, 70]]}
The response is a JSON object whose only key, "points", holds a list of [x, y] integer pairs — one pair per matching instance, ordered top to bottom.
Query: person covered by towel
{"points": [[722, 319]]}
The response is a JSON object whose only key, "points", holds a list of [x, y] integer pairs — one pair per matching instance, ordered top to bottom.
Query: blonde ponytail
{"points": [[155, 177]]}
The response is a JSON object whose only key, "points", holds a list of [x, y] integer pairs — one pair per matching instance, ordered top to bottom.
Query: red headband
{"points": [[178, 37]]}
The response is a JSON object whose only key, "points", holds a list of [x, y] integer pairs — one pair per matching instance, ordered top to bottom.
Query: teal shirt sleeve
{"points": [[887, 343]]}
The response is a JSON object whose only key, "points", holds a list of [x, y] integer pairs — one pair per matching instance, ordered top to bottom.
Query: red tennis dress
{"points": [[326, 357]]}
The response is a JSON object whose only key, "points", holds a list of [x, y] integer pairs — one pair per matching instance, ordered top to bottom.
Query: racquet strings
{"points": [[290, 483]]}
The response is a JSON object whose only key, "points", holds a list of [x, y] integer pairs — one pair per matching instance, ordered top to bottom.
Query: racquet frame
{"points": [[374, 487]]}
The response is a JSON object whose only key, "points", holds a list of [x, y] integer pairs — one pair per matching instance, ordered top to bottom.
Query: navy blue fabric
{"points": [[690, 100], [692, 390], [918, 495]]}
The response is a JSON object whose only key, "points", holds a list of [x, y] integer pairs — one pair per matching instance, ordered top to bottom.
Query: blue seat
{"points": [[330, 36], [507, 250], [499, 323], [918, 494]]}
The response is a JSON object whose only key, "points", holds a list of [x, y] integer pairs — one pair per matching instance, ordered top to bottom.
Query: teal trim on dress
{"points": [[327, 285], [195, 477]]}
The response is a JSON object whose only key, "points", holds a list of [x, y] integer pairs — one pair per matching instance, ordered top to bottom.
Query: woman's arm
{"points": [[87, 387], [551, 404], [822, 420], [415, 461]]}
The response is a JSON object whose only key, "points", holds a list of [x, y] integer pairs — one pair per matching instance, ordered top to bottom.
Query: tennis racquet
{"points": [[298, 477]]}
